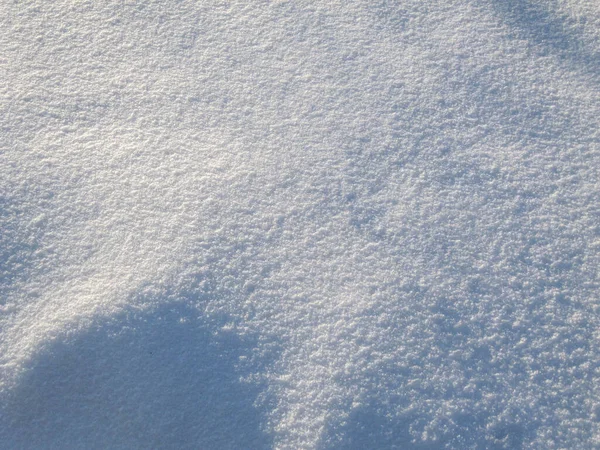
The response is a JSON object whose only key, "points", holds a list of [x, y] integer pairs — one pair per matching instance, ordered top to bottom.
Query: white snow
{"points": [[300, 225]]}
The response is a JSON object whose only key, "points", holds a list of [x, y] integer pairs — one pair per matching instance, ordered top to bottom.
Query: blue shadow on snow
{"points": [[158, 379]]}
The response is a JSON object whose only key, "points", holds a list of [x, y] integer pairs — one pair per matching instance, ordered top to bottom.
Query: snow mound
{"points": [[300, 225]]}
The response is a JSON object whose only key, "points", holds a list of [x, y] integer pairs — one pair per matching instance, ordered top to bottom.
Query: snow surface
{"points": [[300, 225]]}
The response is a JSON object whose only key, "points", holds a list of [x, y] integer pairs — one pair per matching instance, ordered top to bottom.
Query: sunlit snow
{"points": [[300, 225]]}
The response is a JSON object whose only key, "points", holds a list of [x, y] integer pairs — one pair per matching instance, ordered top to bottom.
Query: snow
{"points": [[300, 225]]}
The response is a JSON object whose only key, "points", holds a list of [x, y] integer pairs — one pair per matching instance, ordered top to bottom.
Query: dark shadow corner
{"points": [[157, 379]]}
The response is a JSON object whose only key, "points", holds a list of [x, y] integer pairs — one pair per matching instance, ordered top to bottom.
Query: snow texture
{"points": [[300, 224]]}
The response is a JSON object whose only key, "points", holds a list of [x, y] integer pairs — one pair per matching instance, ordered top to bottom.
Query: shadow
{"points": [[391, 16], [549, 33], [19, 241], [157, 379], [441, 415], [371, 426], [368, 427]]}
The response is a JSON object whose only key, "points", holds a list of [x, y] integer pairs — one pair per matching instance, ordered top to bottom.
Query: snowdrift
{"points": [[300, 225]]}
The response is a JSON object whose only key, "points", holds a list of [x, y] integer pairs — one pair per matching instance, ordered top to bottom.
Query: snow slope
{"points": [[300, 225]]}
